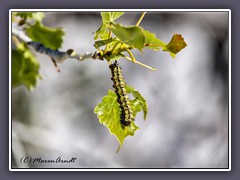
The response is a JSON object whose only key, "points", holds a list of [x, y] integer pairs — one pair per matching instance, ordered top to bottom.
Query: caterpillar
{"points": [[126, 115]]}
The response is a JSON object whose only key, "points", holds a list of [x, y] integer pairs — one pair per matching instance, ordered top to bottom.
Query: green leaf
{"points": [[38, 16], [110, 16], [107, 17], [102, 32], [131, 35], [50, 37], [152, 42], [101, 43], [176, 44], [25, 68], [139, 103], [108, 112]]}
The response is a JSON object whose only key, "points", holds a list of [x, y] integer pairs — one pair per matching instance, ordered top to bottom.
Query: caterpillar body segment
{"points": [[126, 115]]}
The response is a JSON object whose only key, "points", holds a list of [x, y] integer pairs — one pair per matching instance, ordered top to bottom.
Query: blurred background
{"points": [[187, 122]]}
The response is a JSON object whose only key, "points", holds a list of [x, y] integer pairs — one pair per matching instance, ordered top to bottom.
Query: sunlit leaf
{"points": [[38, 16], [110, 16], [103, 32], [131, 35], [50, 37], [152, 42], [101, 43], [176, 44], [25, 68], [139, 103], [108, 112]]}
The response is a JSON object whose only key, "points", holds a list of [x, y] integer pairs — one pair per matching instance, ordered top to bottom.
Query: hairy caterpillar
{"points": [[119, 84]]}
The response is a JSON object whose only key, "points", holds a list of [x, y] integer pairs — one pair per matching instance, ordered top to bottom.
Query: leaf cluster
{"points": [[127, 38], [119, 39], [112, 40], [25, 66]]}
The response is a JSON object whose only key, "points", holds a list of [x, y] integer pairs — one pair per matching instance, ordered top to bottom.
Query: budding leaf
{"points": [[110, 16], [107, 17], [102, 32], [50, 37], [25, 68]]}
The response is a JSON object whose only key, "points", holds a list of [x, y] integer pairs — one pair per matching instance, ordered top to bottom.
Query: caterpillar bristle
{"points": [[126, 115]]}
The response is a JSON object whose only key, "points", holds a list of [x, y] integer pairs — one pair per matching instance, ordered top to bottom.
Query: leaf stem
{"points": [[141, 18], [109, 36], [115, 46], [131, 55], [137, 62]]}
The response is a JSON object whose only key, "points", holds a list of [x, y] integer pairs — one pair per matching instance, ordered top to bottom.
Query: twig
{"points": [[141, 18], [21, 35], [131, 55], [58, 56], [137, 62], [55, 64]]}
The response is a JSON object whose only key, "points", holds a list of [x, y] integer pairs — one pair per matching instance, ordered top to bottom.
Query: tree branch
{"points": [[21, 35], [58, 56]]}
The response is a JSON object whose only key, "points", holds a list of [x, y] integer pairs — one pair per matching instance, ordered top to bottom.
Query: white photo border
{"points": [[120, 169]]}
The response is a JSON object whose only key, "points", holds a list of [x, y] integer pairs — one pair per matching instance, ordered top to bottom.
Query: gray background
{"points": [[187, 123]]}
